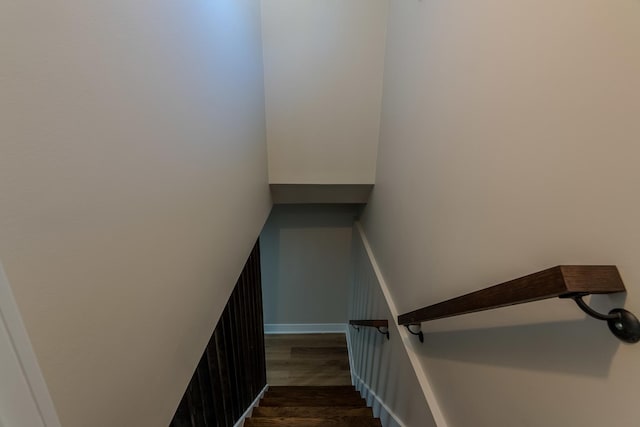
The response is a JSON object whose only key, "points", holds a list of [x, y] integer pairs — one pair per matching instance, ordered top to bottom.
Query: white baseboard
{"points": [[305, 328], [351, 361], [249, 410], [380, 410]]}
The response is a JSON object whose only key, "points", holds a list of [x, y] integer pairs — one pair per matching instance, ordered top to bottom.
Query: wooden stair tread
{"points": [[307, 388], [313, 394], [312, 401], [312, 406], [312, 411], [313, 422]]}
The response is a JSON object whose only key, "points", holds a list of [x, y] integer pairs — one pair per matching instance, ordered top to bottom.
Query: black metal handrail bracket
{"points": [[622, 323], [381, 325], [418, 331]]}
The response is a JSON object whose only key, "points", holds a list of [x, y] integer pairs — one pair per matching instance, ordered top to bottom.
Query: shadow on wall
{"points": [[313, 216], [583, 347]]}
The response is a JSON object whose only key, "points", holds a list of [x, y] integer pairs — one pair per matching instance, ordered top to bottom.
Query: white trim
{"points": [[10, 315], [305, 328], [351, 361], [421, 375], [380, 410], [249, 411]]}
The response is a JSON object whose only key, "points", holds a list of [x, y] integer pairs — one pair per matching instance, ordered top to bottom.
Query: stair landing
{"points": [[307, 360]]}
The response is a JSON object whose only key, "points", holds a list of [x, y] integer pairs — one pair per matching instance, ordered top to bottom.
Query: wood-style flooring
{"points": [[307, 360]]}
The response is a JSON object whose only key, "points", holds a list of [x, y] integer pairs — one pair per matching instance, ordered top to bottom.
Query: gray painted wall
{"points": [[305, 252]]}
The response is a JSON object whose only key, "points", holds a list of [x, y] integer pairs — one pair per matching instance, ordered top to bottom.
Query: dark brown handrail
{"points": [[566, 281], [382, 325]]}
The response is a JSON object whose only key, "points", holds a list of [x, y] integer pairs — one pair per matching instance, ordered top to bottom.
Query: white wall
{"points": [[323, 63], [509, 143], [133, 184], [305, 260], [382, 365], [24, 397], [17, 405]]}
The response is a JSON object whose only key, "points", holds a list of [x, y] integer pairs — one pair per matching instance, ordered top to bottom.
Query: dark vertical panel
{"points": [[257, 289], [243, 314], [257, 327], [251, 333], [233, 346], [232, 370], [224, 376], [206, 391], [196, 410], [219, 411]]}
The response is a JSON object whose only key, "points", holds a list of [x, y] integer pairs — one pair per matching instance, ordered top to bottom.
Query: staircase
{"points": [[312, 406]]}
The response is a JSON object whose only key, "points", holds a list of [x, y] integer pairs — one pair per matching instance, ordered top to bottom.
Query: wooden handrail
{"points": [[566, 281], [382, 325]]}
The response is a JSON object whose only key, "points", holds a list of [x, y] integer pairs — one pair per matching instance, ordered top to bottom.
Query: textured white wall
{"points": [[323, 62], [509, 143], [133, 184], [305, 257]]}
